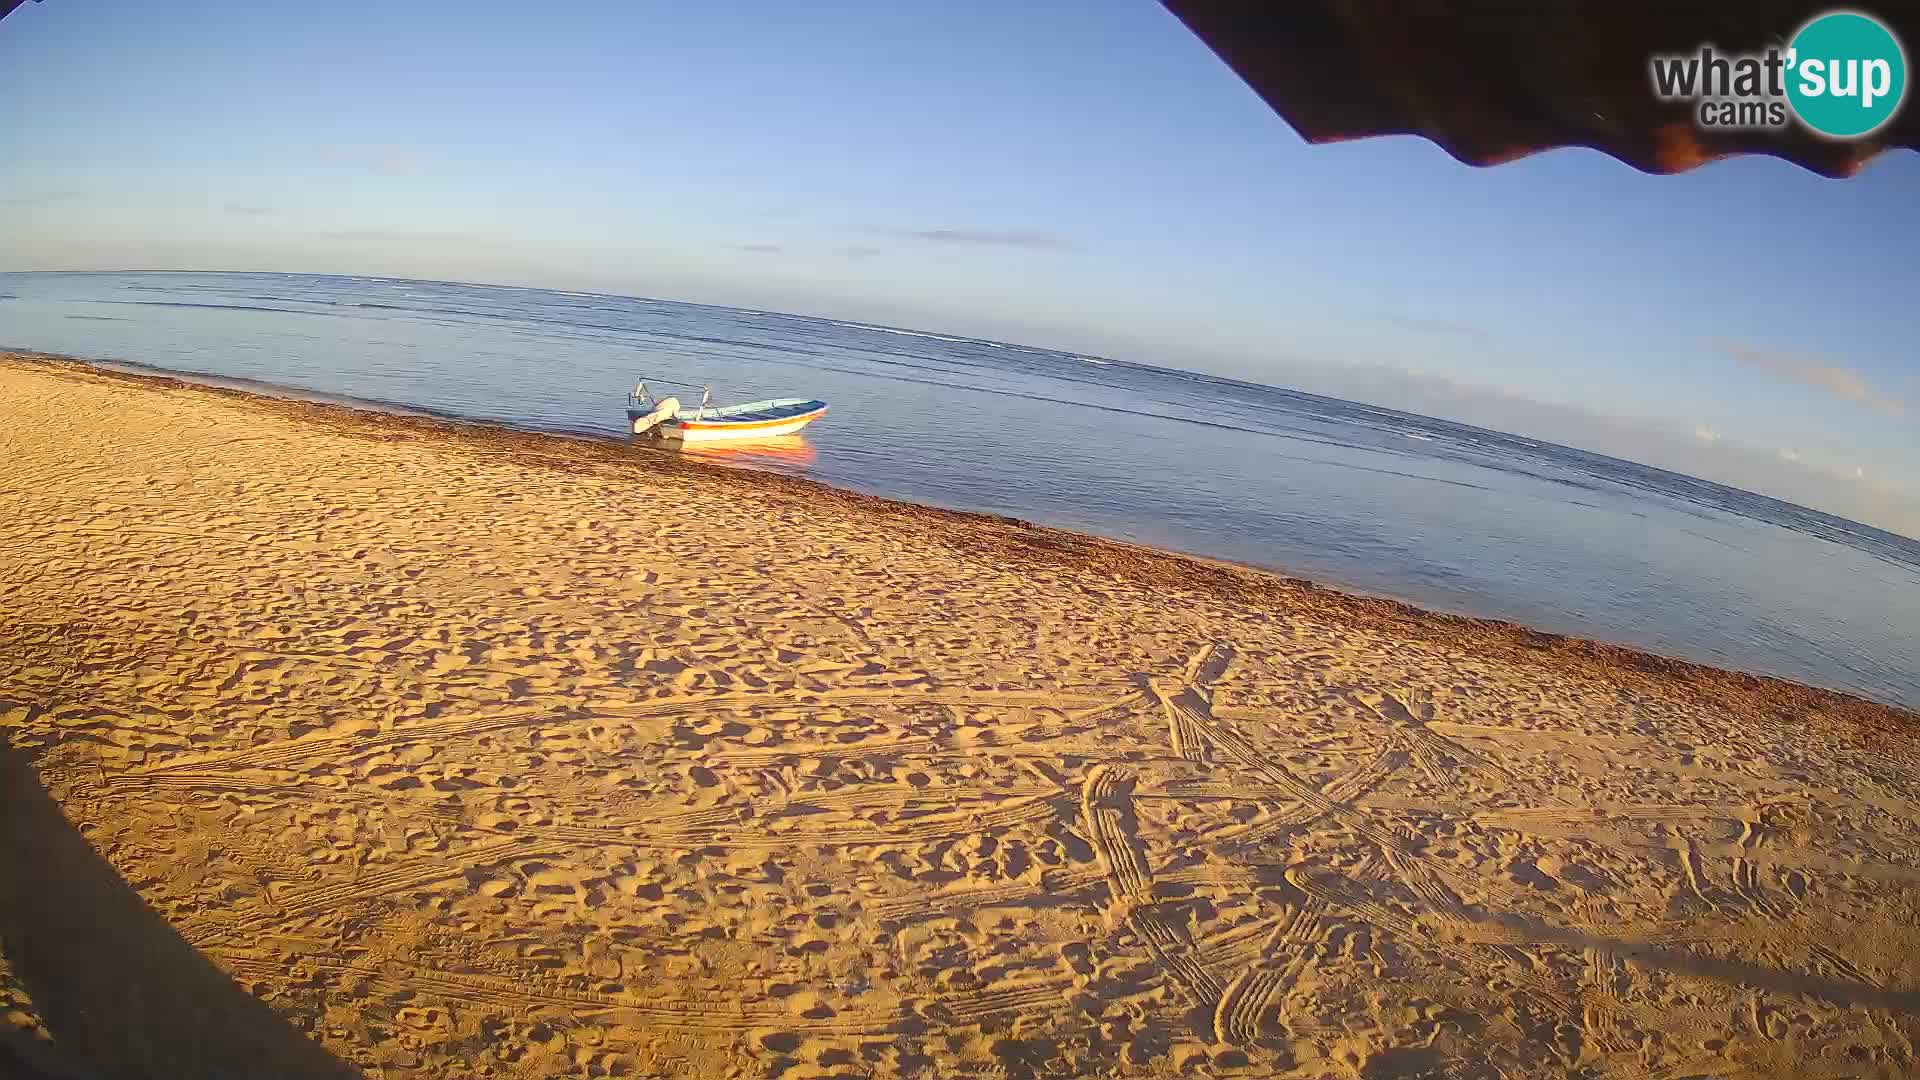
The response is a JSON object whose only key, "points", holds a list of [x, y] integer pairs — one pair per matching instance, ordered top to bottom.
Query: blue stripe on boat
{"points": [[754, 412]]}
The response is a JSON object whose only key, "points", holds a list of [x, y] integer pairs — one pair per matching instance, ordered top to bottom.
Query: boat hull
{"points": [[769, 419], [685, 429], [719, 432]]}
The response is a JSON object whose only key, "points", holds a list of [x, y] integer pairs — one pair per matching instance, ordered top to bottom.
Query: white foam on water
{"points": [[915, 333]]}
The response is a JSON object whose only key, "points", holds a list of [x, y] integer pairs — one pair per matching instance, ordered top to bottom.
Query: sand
{"points": [[340, 744]]}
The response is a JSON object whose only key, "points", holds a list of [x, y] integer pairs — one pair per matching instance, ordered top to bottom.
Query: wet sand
{"points": [[341, 743]]}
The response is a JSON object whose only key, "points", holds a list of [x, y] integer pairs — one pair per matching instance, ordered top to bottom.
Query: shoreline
{"points": [[1054, 546], [386, 745]]}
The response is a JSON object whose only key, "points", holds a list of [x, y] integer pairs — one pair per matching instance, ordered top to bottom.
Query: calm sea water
{"points": [[1440, 514]]}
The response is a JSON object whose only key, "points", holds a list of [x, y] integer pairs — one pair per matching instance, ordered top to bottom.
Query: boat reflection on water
{"points": [[791, 454]]}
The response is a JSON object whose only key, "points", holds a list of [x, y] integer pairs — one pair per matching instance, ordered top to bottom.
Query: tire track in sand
{"points": [[1180, 698], [287, 754], [1438, 756], [1345, 789], [1312, 799], [1106, 804], [1107, 807], [412, 874], [1056, 884], [1283, 957], [1491, 962], [519, 996], [701, 1016]]}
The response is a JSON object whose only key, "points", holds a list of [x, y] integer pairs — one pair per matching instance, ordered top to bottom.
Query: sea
{"points": [[1442, 515]]}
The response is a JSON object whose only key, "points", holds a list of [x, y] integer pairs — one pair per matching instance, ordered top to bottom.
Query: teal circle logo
{"points": [[1846, 74]]}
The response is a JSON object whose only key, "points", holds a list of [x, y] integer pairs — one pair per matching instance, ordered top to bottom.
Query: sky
{"points": [[1077, 174]]}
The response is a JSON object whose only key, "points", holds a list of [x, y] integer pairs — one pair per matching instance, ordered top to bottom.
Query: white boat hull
{"points": [[675, 429]]}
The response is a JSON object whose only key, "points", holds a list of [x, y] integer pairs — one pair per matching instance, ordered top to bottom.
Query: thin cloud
{"points": [[387, 160], [398, 160], [41, 198], [254, 211], [404, 237], [1033, 239], [761, 249], [856, 251], [1441, 326], [1841, 382], [1706, 434], [1789, 455]]}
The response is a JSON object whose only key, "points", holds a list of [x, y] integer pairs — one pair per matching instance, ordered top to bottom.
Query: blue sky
{"points": [[1084, 175]]}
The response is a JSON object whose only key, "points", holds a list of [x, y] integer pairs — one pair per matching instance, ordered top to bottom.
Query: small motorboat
{"points": [[668, 419]]}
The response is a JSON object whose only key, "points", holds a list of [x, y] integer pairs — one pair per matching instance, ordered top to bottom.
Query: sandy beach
{"points": [[346, 744]]}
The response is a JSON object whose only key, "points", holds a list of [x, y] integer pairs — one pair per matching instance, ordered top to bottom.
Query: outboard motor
{"points": [[663, 411]]}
